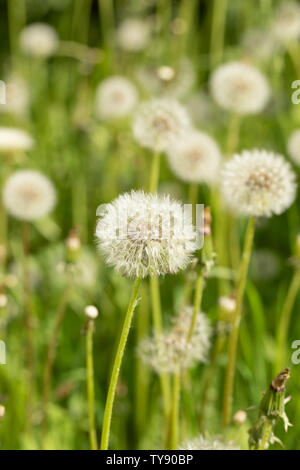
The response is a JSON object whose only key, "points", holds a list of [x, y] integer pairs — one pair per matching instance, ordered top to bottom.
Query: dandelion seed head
{"points": [[286, 26], [133, 34], [39, 40], [240, 87], [17, 97], [115, 98], [159, 122], [14, 140], [293, 146], [195, 157], [258, 183], [28, 195], [143, 234], [228, 304], [170, 351], [215, 443]]}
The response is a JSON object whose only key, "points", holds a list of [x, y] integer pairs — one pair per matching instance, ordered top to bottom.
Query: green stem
{"points": [[217, 32], [233, 134], [154, 173], [197, 304], [29, 324], [283, 327], [158, 330], [233, 338], [51, 353], [116, 367], [142, 373], [90, 384], [175, 411], [265, 435]]}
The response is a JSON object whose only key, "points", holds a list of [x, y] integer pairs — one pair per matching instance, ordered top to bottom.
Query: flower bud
{"points": [[91, 311]]}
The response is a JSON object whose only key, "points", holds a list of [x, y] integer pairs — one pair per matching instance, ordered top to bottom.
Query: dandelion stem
{"points": [[217, 32], [233, 134], [154, 172], [197, 304], [285, 318], [29, 321], [158, 330], [233, 338], [51, 353], [116, 367], [90, 384], [175, 411]]}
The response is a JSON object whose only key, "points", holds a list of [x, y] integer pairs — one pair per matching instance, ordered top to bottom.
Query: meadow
{"points": [[123, 323]]}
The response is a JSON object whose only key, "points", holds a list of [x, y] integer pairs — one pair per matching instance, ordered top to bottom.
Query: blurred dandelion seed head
{"points": [[286, 26], [133, 34], [39, 40], [240, 88], [17, 97], [115, 98], [159, 122], [14, 140], [293, 146], [195, 157], [258, 183], [28, 195], [142, 234], [168, 352], [215, 443]]}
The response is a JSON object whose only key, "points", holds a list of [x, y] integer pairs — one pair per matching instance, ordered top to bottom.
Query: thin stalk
{"points": [[16, 10], [107, 25], [217, 32], [233, 134], [154, 172], [197, 304], [284, 323], [29, 324], [158, 330], [233, 338], [51, 353], [116, 367], [210, 372], [90, 384], [141, 401], [174, 431]]}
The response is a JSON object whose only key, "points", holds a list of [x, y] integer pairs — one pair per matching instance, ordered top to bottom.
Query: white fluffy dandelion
{"points": [[286, 26], [133, 34], [39, 40], [240, 87], [17, 97], [115, 98], [159, 122], [14, 140], [293, 146], [195, 157], [258, 183], [28, 195], [144, 234], [172, 350], [215, 443]]}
